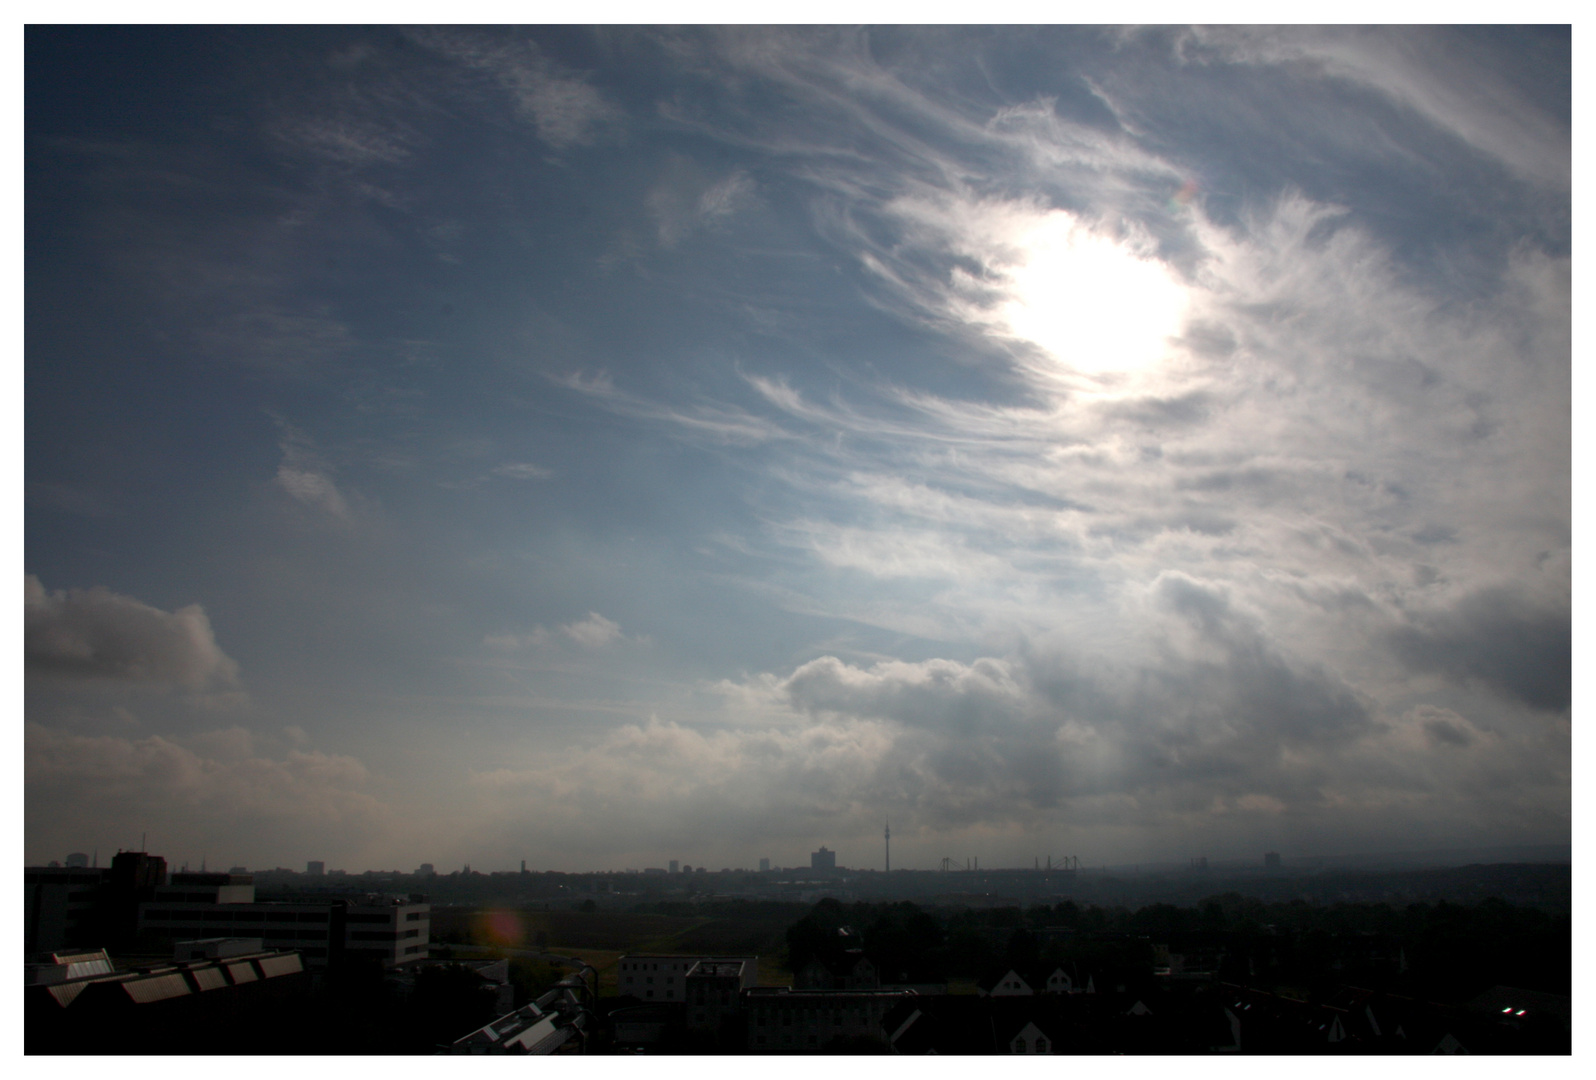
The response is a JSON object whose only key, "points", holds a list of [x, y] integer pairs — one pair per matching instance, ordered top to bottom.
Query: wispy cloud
{"points": [[1444, 74], [565, 108], [715, 422], [523, 470], [305, 477], [594, 631]]}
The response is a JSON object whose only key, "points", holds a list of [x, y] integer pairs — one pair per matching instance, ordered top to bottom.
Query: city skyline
{"points": [[574, 443]]}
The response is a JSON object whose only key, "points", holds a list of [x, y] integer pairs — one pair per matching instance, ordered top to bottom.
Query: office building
{"points": [[822, 859], [63, 907], [324, 931]]}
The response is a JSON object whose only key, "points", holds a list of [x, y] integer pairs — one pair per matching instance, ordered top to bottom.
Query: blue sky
{"points": [[597, 446]]}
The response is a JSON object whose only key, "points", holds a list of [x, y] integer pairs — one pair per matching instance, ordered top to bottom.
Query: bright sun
{"points": [[1091, 302]]}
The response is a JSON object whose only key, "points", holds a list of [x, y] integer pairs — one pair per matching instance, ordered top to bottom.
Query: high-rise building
{"points": [[77, 859], [822, 859], [764, 866], [675, 867], [315, 869]]}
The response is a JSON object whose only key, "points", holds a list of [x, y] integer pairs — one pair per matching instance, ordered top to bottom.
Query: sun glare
{"points": [[1091, 302]]}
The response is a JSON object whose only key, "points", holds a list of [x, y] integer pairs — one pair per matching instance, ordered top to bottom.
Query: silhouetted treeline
{"points": [[1442, 951]]}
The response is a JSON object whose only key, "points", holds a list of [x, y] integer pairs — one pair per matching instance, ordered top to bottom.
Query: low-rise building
{"points": [[663, 976], [713, 990], [210, 1005], [784, 1021], [555, 1023]]}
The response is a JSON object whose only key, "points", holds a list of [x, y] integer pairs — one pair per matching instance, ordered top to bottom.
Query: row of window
{"points": [[217, 916], [383, 935], [838, 1017], [786, 1040]]}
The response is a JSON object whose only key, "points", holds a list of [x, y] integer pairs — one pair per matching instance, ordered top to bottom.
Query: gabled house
{"points": [[851, 971], [1058, 982], [1009, 984], [1031, 1040]]}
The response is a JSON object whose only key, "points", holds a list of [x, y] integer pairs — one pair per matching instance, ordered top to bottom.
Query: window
{"points": [[1041, 1045], [1019, 1046]]}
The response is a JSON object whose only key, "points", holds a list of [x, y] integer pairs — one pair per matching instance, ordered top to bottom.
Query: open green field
{"points": [[600, 938]]}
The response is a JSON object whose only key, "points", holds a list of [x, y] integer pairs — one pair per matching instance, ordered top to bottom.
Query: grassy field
{"points": [[600, 938]]}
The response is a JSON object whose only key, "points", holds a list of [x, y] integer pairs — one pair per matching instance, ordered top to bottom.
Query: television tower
{"points": [[889, 845]]}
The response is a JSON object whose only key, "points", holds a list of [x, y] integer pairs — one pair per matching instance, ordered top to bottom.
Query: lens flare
{"points": [[500, 928]]}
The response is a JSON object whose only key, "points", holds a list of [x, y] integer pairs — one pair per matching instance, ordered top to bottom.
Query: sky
{"points": [[605, 445]]}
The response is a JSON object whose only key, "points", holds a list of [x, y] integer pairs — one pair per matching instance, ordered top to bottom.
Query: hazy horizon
{"points": [[599, 446]]}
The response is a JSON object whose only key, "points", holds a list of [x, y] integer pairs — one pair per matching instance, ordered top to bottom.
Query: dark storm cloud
{"points": [[1497, 637]]}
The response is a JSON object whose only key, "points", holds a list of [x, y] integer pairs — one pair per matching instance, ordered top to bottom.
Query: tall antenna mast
{"points": [[889, 845]]}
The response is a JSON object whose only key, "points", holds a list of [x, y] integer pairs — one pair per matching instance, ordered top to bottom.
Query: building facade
{"points": [[61, 907], [388, 931], [663, 976], [713, 989], [783, 1021]]}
